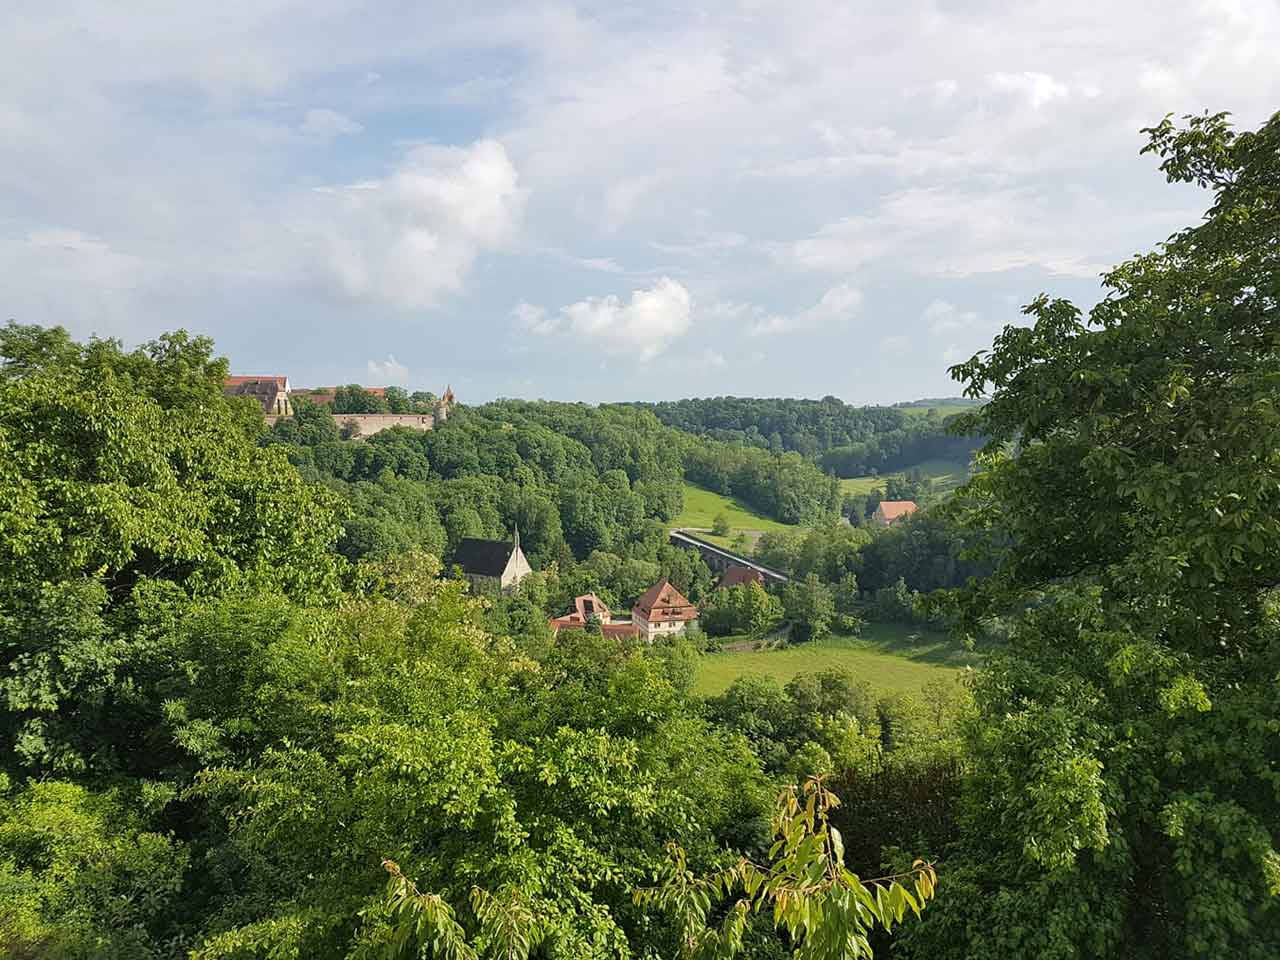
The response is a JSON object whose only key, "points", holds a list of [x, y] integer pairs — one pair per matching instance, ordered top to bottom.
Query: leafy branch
{"points": [[825, 908]]}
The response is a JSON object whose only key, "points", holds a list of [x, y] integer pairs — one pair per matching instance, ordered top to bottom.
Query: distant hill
{"points": [[940, 402], [844, 440]]}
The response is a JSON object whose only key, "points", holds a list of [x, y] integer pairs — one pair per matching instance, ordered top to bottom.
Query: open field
{"points": [[943, 475], [702, 506], [885, 655]]}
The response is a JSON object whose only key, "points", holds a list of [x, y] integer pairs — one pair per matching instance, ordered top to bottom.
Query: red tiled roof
{"points": [[237, 381], [893, 509], [738, 575], [663, 603], [584, 607], [607, 629], [619, 629]]}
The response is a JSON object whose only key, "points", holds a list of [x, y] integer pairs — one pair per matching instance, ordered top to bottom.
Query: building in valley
{"points": [[272, 393], [891, 511], [492, 565], [738, 575], [588, 607], [663, 611]]}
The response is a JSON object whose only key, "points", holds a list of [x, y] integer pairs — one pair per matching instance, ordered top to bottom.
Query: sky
{"points": [[612, 201]]}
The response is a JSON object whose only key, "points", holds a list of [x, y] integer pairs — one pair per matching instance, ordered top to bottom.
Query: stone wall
{"points": [[367, 424]]}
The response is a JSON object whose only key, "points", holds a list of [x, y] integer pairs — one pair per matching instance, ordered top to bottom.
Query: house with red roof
{"points": [[891, 511], [584, 609], [663, 611]]}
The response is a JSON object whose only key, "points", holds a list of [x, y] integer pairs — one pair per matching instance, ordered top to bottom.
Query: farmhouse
{"points": [[891, 511], [491, 565], [584, 609], [663, 611]]}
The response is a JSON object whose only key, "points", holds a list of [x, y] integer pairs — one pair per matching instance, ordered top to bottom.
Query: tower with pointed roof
{"points": [[444, 404]]}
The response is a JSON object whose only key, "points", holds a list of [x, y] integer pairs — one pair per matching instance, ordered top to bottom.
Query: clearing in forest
{"points": [[943, 475], [701, 507], [891, 657]]}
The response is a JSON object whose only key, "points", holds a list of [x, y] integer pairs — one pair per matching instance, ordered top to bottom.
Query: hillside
{"points": [[943, 476], [701, 507]]}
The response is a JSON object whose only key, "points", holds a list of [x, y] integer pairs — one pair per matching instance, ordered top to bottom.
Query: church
{"points": [[492, 565]]}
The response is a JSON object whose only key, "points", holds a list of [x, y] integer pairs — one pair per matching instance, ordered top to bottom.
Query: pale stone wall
{"points": [[367, 424], [517, 569]]}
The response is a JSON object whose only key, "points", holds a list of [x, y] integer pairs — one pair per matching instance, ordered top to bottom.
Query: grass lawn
{"points": [[943, 475], [702, 506], [885, 655]]}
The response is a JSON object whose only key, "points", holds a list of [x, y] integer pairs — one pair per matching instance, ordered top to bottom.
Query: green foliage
{"points": [[353, 398], [848, 441], [128, 485], [787, 487], [720, 525], [810, 607], [744, 609], [828, 711], [244, 726], [1122, 801], [80, 877], [826, 910]]}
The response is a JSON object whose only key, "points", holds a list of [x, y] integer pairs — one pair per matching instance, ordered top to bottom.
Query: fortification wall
{"points": [[367, 424]]}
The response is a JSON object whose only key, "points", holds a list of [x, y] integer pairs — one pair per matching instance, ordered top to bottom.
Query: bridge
{"points": [[719, 559]]}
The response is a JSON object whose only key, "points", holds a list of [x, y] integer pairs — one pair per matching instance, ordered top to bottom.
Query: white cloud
{"points": [[1038, 89], [944, 90], [326, 124], [935, 139], [411, 238], [836, 307], [943, 317], [534, 319], [644, 326], [713, 359], [388, 371]]}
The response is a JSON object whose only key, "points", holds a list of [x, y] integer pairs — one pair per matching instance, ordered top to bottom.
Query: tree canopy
{"points": [[1123, 799]]}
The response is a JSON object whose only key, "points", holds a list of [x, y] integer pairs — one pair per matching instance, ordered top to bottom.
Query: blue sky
{"points": [[597, 201]]}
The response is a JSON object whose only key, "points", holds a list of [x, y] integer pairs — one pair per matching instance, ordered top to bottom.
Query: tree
{"points": [[354, 398], [398, 401], [129, 487], [720, 525], [745, 608], [810, 608], [1125, 738], [827, 910]]}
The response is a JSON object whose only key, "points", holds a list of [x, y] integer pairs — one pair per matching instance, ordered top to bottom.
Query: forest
{"points": [[846, 441], [247, 710]]}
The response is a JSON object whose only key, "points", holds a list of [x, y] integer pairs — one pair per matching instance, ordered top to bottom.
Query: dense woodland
{"points": [[846, 441], [247, 711]]}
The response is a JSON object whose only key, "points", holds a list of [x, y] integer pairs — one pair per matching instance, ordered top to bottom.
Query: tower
{"points": [[444, 404]]}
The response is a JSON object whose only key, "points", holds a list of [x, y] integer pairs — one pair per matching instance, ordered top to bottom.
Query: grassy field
{"points": [[943, 475], [702, 506], [886, 656]]}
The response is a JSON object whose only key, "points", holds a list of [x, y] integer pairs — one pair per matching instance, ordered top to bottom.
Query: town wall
{"points": [[367, 424]]}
